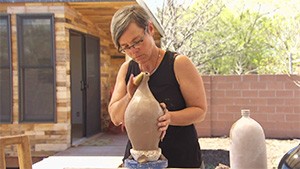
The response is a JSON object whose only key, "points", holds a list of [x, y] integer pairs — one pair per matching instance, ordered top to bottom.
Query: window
{"points": [[36, 58], [5, 71]]}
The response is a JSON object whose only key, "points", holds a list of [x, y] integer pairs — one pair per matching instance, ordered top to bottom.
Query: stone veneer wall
{"points": [[274, 102], [49, 138]]}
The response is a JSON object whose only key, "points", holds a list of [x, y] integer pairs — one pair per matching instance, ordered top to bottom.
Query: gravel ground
{"points": [[215, 151]]}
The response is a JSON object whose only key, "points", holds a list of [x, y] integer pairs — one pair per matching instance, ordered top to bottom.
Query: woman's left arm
{"points": [[192, 89]]}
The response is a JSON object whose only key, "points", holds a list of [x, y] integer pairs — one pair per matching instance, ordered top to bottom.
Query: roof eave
{"points": [[155, 20]]}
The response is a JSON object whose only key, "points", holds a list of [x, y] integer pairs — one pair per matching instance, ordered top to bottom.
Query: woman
{"points": [[174, 81]]}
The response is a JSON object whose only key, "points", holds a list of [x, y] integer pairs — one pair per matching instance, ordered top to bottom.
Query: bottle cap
{"points": [[245, 112]]}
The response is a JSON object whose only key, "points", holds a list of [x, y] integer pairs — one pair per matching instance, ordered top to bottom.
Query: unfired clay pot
{"points": [[141, 118], [248, 146]]}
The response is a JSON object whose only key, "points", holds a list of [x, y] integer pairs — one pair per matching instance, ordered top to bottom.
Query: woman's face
{"points": [[136, 42]]}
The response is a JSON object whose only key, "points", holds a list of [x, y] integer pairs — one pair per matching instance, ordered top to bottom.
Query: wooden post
{"points": [[23, 147], [2, 156]]}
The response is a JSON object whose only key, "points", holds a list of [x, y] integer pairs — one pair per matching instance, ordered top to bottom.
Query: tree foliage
{"points": [[220, 40]]}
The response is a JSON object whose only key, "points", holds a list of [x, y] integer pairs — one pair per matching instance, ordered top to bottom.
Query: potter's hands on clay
{"points": [[131, 87], [164, 121]]}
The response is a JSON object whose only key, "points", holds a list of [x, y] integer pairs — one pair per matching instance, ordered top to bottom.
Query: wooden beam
{"points": [[115, 5]]}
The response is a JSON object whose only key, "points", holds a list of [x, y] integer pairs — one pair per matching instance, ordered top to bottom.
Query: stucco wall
{"points": [[274, 102]]}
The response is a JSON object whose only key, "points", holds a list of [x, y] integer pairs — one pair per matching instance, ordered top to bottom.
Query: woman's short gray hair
{"points": [[123, 17]]}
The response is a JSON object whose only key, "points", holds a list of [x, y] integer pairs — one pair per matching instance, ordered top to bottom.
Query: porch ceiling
{"points": [[100, 13]]}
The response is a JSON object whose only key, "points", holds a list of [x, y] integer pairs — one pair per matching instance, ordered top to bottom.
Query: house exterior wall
{"points": [[272, 99], [49, 138]]}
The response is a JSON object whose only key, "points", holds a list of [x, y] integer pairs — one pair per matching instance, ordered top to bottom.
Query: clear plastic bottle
{"points": [[248, 147], [291, 160]]}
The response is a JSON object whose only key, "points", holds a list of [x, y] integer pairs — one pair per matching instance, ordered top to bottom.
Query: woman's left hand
{"points": [[164, 121]]}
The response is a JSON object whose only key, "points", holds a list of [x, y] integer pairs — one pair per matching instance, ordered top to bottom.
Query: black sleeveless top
{"points": [[180, 144]]}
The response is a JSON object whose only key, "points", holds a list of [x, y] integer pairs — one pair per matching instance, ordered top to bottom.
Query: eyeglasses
{"points": [[135, 44]]}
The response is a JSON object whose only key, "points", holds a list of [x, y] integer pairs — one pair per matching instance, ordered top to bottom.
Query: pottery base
{"points": [[162, 162]]}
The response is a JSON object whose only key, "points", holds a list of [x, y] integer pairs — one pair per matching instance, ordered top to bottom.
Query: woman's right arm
{"points": [[120, 97]]}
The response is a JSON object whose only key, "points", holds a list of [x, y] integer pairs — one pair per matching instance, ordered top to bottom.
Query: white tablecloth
{"points": [[61, 162]]}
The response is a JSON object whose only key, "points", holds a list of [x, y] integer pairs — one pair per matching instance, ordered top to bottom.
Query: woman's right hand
{"points": [[131, 87]]}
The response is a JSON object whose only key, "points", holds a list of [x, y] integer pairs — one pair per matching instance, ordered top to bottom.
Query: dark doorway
{"points": [[85, 85]]}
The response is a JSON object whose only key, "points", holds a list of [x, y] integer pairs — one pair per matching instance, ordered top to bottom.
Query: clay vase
{"points": [[141, 118], [248, 146]]}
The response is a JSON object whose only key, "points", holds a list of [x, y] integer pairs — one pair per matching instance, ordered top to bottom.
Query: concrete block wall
{"points": [[274, 102]]}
